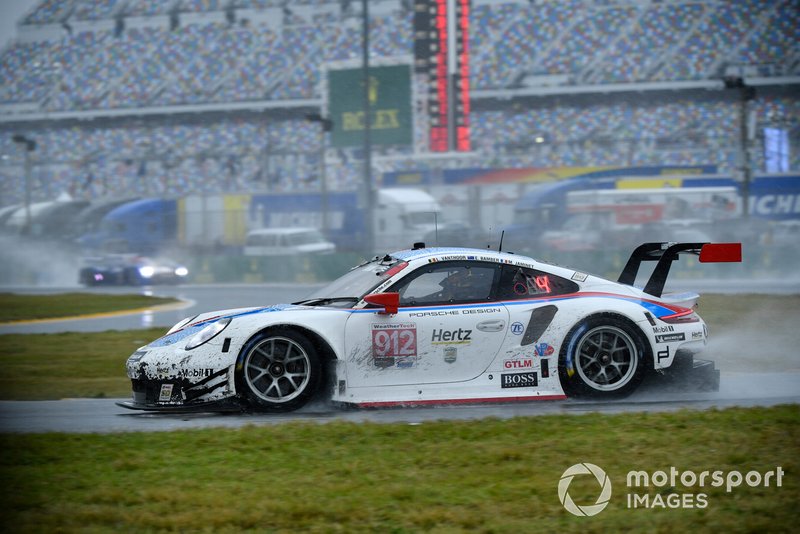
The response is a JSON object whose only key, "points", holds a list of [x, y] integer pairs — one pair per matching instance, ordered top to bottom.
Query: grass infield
{"points": [[18, 307], [72, 364], [480, 476]]}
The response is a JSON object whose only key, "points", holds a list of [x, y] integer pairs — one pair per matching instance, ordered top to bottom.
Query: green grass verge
{"points": [[18, 307], [73, 364], [486, 476]]}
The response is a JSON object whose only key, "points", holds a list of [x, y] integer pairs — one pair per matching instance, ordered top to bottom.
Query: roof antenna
{"points": [[500, 248]]}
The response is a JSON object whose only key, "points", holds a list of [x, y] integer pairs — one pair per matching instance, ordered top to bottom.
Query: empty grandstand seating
{"points": [[211, 57]]}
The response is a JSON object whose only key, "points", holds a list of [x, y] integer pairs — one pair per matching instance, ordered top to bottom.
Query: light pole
{"points": [[746, 94], [326, 126], [30, 146], [369, 208]]}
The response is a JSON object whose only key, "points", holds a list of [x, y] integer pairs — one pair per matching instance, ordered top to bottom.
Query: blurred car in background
{"points": [[286, 242], [130, 270]]}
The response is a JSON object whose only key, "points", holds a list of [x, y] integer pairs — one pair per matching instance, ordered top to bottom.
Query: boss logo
{"points": [[519, 380]]}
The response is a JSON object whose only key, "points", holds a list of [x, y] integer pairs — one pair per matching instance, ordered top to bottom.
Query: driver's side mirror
{"points": [[389, 301]]}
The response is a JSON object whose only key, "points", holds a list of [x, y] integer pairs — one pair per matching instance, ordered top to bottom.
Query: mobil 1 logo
{"points": [[519, 380]]}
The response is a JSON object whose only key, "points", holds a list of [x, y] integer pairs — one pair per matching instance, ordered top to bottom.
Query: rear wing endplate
{"points": [[665, 253]]}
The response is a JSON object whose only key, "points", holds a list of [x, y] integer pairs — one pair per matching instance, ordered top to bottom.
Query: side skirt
{"points": [[451, 402]]}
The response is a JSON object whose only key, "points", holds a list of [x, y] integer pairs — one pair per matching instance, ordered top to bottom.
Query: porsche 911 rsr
{"points": [[436, 325]]}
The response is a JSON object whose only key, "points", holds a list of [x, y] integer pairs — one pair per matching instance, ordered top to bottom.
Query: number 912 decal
{"points": [[394, 345]]}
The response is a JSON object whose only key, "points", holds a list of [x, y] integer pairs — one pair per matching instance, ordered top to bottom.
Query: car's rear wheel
{"points": [[604, 356], [280, 371]]}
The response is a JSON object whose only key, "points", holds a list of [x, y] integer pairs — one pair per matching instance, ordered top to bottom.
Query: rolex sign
{"points": [[389, 94]]}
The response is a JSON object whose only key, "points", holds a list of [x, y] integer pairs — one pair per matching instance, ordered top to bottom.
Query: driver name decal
{"points": [[394, 345]]}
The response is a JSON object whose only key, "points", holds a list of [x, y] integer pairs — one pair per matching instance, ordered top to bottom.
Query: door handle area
{"points": [[491, 326]]}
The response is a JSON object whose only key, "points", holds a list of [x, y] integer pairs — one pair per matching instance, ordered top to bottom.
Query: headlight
{"points": [[147, 271], [181, 271], [181, 324], [207, 334]]}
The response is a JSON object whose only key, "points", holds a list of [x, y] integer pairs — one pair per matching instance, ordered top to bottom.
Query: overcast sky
{"points": [[11, 11]]}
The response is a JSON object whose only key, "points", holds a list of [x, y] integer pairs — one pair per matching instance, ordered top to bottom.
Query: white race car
{"points": [[435, 326]]}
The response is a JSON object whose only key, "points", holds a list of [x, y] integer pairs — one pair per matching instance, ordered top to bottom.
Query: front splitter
{"points": [[224, 405]]}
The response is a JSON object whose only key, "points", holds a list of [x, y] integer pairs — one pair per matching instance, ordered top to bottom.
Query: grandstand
{"points": [[169, 97]]}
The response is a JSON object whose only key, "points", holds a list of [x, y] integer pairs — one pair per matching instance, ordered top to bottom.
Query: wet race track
{"points": [[748, 378]]}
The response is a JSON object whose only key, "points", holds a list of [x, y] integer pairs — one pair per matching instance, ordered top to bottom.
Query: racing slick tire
{"points": [[604, 356], [278, 371]]}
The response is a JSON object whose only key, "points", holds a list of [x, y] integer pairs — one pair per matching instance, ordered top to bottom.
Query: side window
{"points": [[448, 283], [523, 283]]}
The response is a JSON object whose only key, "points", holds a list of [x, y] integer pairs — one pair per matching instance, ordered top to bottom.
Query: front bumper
{"points": [[177, 388]]}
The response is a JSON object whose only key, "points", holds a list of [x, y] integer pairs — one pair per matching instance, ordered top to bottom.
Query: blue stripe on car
{"points": [[654, 308], [192, 329]]}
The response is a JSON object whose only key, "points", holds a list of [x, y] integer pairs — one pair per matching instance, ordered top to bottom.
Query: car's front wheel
{"points": [[603, 356], [280, 371]]}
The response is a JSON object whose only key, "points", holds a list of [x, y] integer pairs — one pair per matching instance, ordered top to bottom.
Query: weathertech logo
{"points": [[584, 469]]}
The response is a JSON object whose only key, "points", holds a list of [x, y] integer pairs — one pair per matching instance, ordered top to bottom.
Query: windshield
{"points": [[308, 238], [350, 288]]}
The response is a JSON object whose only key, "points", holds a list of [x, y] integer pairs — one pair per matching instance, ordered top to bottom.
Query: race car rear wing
{"points": [[666, 253]]}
